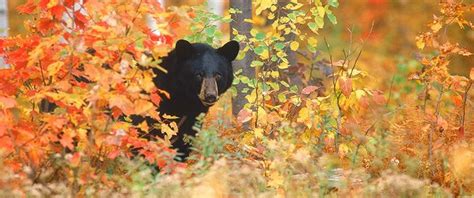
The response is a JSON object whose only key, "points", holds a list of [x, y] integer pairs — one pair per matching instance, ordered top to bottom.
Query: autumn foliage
{"points": [[81, 66], [319, 120]]}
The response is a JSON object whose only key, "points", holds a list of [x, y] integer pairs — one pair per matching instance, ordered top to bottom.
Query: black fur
{"points": [[187, 65]]}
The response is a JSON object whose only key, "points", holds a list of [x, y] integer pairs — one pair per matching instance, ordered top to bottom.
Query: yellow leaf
{"points": [[52, 3], [263, 5], [321, 11], [249, 21], [436, 27], [312, 41], [420, 43], [294, 45], [283, 65], [54, 68], [251, 97], [141, 106], [303, 116], [169, 130], [258, 132], [343, 150], [276, 180]]}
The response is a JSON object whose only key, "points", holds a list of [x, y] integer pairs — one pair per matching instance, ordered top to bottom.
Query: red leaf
{"points": [[69, 3], [43, 4], [27, 8], [58, 11], [80, 19], [45, 25], [309, 89], [116, 112]]}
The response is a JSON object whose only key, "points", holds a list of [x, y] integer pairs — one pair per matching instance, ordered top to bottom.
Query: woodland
{"points": [[362, 98]]}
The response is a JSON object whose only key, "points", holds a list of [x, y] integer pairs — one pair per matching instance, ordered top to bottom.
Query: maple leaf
{"points": [[44, 4], [27, 8], [58, 11], [80, 19], [155, 98], [66, 141]]}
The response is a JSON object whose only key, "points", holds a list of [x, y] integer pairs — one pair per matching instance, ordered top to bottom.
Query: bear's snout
{"points": [[209, 91]]}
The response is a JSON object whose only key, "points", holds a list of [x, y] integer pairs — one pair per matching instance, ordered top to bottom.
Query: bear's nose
{"points": [[210, 98]]}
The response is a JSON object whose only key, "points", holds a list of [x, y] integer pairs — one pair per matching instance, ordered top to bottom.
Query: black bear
{"points": [[197, 74]]}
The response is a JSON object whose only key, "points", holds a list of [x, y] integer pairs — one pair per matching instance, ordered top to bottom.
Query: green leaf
{"points": [[333, 3], [331, 17], [319, 22], [313, 27], [210, 31], [260, 36], [279, 46], [260, 49], [256, 63], [282, 97]]}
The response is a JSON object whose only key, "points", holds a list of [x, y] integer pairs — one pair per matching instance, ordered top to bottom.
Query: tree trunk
{"points": [[3, 26], [243, 28], [293, 75]]}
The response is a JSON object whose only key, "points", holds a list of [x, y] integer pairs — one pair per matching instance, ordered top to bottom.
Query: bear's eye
{"points": [[199, 76], [218, 76]]}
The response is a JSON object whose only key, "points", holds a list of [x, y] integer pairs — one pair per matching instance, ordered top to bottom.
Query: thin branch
{"points": [[390, 91], [463, 118]]}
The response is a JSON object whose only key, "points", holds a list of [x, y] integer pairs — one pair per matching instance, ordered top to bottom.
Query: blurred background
{"points": [[395, 25]]}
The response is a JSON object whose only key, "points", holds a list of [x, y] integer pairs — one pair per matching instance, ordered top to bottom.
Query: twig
{"points": [[390, 91], [463, 117], [360, 142]]}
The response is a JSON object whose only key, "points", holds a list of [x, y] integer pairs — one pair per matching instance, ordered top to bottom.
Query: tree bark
{"points": [[243, 28]]}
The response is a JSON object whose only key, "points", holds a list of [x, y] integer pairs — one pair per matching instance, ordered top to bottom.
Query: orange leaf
{"points": [[43, 4], [346, 86], [155, 98], [379, 98], [457, 100], [122, 102], [7, 103], [244, 116], [66, 140], [113, 154], [75, 159]]}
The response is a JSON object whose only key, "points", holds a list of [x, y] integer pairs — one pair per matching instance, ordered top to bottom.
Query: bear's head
{"points": [[204, 71]]}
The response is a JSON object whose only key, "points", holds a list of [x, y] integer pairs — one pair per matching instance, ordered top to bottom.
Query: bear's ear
{"points": [[184, 49], [229, 50]]}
